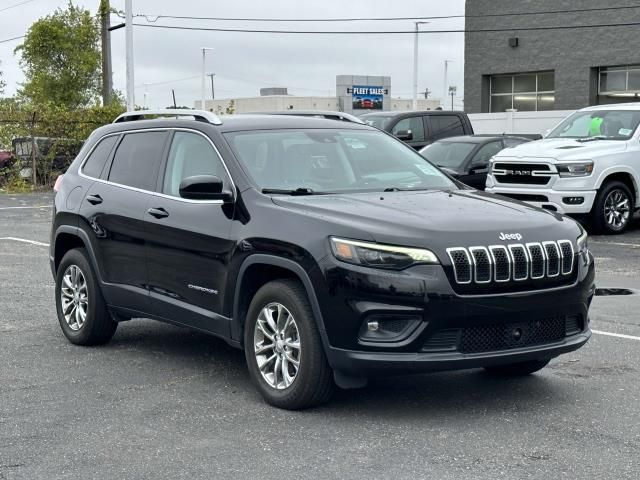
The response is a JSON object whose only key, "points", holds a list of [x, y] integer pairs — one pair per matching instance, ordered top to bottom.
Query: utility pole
{"points": [[415, 66], [204, 76], [444, 82], [107, 85], [213, 92], [452, 92], [146, 94], [131, 96]]}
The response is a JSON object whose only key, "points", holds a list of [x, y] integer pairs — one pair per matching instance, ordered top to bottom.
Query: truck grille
{"points": [[522, 173], [512, 263]]}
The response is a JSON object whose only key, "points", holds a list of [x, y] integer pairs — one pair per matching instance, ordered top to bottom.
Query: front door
{"points": [[188, 240]]}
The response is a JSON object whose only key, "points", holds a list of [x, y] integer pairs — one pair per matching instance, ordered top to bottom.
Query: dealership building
{"points": [[527, 65], [355, 94]]}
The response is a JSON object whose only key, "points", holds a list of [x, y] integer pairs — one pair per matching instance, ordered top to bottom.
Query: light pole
{"points": [[415, 66], [204, 75], [444, 82], [213, 92], [452, 92], [146, 94], [131, 96]]}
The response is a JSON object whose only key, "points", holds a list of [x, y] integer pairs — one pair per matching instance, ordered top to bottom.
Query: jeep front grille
{"points": [[515, 262]]}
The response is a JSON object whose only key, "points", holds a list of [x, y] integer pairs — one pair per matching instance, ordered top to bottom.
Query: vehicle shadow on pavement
{"points": [[196, 354]]}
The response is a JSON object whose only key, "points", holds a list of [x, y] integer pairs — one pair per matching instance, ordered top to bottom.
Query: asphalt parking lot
{"points": [[164, 402]]}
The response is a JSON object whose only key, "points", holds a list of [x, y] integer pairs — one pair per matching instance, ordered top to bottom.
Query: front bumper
{"points": [[554, 198], [351, 296]]}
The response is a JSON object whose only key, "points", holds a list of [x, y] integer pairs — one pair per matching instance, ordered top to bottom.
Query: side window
{"points": [[412, 123], [443, 126], [485, 153], [190, 154], [98, 157], [137, 159]]}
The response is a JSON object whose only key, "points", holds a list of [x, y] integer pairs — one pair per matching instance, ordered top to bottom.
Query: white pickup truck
{"points": [[588, 164]]}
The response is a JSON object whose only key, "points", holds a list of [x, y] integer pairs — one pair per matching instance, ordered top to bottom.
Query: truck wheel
{"points": [[613, 208], [82, 312], [283, 348], [518, 369]]}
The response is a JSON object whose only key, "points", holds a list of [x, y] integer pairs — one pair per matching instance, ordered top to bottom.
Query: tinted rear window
{"points": [[443, 126], [99, 156], [136, 160]]}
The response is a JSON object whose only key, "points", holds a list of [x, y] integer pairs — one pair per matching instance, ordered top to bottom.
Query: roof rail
{"points": [[199, 115]]}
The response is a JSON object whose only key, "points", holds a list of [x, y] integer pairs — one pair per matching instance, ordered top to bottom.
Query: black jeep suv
{"points": [[330, 251]]}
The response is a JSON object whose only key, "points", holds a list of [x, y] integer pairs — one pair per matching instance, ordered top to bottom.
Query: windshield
{"points": [[377, 121], [605, 124], [447, 154], [329, 160]]}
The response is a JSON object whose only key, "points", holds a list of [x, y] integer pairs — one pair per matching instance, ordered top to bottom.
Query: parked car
{"points": [[328, 114], [419, 129], [51, 154], [5, 158], [466, 158], [588, 165], [329, 251]]}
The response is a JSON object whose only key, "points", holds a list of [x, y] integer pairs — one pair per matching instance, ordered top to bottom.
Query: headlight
{"points": [[575, 169], [583, 248], [378, 255]]}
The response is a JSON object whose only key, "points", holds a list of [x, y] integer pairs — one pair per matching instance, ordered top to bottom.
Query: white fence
{"points": [[517, 122]]}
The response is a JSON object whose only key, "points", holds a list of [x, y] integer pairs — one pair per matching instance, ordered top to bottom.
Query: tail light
{"points": [[58, 185]]}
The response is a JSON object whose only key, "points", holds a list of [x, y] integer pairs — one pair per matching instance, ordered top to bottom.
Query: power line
{"points": [[16, 5], [155, 18], [388, 32], [12, 39]]}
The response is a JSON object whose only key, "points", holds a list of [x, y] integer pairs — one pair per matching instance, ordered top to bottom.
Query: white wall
{"points": [[517, 122]]}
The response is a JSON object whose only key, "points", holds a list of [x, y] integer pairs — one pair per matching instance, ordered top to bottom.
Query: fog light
{"points": [[573, 200], [373, 326]]}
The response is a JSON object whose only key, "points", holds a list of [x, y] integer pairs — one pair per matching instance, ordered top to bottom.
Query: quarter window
{"points": [[523, 92], [190, 155], [137, 160], [95, 163]]}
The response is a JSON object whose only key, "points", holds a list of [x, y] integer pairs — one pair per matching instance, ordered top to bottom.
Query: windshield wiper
{"points": [[591, 139], [392, 189], [296, 191]]}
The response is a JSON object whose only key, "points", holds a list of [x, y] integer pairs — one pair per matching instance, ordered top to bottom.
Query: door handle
{"points": [[94, 199], [158, 212]]}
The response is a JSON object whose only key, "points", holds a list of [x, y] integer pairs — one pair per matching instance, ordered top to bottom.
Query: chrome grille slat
{"points": [[513, 262]]}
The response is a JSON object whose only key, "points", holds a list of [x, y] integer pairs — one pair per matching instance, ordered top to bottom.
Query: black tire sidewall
{"points": [[599, 220], [84, 335], [311, 347]]}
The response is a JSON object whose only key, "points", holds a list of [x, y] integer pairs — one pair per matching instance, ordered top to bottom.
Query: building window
{"points": [[623, 82], [522, 92]]}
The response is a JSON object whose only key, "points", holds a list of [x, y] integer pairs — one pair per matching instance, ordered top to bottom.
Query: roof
{"points": [[613, 106], [410, 112], [313, 113], [480, 138]]}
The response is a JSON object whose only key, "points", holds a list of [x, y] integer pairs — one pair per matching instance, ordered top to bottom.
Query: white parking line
{"points": [[18, 208], [24, 240], [620, 244], [619, 335]]}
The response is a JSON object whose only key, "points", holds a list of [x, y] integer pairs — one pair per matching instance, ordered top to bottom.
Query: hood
{"points": [[563, 149], [431, 219]]}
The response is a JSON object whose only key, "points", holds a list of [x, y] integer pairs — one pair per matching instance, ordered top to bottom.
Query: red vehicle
{"points": [[367, 103], [5, 158]]}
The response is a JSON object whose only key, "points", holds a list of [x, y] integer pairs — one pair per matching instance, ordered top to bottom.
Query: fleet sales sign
{"points": [[366, 97]]}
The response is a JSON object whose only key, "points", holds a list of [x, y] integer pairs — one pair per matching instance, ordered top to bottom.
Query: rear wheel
{"points": [[613, 208], [82, 312], [283, 348], [518, 369]]}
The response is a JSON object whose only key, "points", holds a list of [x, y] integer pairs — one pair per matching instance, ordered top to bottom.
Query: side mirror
{"points": [[404, 135], [204, 187]]}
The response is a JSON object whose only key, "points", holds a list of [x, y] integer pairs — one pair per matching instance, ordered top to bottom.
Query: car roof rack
{"points": [[198, 115]]}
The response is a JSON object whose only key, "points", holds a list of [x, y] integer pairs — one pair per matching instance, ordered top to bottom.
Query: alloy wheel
{"points": [[617, 209], [74, 297], [276, 342]]}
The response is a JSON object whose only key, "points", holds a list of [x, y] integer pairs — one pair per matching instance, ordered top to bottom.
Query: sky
{"points": [[245, 62]]}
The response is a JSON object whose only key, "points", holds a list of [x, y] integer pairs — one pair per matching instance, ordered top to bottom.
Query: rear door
{"points": [[113, 210], [189, 245]]}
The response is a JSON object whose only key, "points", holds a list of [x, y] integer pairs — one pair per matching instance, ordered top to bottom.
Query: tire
{"points": [[608, 221], [98, 327], [518, 369], [311, 383]]}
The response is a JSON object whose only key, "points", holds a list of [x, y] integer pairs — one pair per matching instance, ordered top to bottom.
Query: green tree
{"points": [[60, 57], [2, 83]]}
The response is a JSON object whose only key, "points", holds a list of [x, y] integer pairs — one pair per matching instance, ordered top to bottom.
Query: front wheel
{"points": [[613, 208], [283, 348], [518, 369]]}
